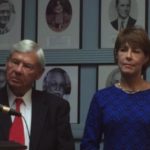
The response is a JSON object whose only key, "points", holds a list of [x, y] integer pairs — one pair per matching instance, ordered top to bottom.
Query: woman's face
{"points": [[131, 60], [56, 84]]}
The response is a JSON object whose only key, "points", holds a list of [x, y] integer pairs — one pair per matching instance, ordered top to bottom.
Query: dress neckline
{"points": [[117, 85]]}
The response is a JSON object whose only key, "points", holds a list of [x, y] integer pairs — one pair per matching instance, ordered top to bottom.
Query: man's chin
{"points": [[15, 85], [57, 94]]}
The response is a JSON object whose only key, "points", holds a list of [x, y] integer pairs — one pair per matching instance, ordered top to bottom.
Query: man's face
{"points": [[123, 8], [4, 13], [22, 69]]}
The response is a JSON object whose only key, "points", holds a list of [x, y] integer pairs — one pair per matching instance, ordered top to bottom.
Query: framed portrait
{"points": [[118, 14], [58, 24], [11, 27], [107, 75], [2, 76], [147, 77], [63, 81]]}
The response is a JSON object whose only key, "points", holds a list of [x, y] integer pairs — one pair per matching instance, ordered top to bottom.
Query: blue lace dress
{"points": [[123, 119]]}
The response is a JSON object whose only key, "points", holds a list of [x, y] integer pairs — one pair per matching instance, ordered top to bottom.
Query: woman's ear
{"points": [[147, 60]]}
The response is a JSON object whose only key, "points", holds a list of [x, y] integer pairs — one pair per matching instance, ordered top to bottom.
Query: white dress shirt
{"points": [[25, 110]]}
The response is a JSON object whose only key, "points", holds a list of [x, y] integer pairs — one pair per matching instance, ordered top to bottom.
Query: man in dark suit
{"points": [[124, 19], [46, 123]]}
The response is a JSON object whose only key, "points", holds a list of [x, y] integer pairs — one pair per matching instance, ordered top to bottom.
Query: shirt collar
{"points": [[124, 20], [26, 98]]}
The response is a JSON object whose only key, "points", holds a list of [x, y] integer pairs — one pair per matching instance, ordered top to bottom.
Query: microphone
{"points": [[9, 110], [12, 111]]}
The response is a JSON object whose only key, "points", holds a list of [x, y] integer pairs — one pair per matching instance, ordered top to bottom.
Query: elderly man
{"points": [[46, 116]]}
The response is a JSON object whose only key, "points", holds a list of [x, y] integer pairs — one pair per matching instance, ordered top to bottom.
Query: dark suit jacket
{"points": [[131, 22], [50, 128]]}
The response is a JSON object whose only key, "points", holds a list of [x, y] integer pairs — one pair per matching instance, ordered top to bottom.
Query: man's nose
{"points": [[19, 67]]}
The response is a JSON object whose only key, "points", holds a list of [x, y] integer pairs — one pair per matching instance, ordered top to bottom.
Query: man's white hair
{"points": [[27, 45]]}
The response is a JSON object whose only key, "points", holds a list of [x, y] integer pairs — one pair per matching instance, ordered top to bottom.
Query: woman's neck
{"points": [[133, 84]]}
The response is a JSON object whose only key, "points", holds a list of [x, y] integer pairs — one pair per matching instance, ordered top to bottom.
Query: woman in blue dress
{"points": [[120, 114]]}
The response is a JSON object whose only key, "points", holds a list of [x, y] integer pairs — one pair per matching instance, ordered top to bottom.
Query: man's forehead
{"points": [[30, 55]]}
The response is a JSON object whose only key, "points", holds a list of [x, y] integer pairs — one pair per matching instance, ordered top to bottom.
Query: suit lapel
{"points": [[39, 110], [5, 122]]}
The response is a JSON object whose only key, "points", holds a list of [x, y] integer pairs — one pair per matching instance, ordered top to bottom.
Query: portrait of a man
{"points": [[6, 11], [118, 14], [123, 19]]}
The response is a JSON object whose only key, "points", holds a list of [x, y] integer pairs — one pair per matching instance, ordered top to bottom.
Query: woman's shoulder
{"points": [[106, 89], [106, 92]]}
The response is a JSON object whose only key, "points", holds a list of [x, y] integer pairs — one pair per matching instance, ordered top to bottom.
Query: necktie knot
{"points": [[18, 102]]}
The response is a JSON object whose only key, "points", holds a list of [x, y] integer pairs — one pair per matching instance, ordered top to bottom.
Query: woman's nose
{"points": [[129, 53]]}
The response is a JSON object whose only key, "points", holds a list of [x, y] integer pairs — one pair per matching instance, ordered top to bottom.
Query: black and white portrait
{"points": [[58, 14], [116, 15], [7, 16], [123, 17], [10, 22], [58, 24], [108, 75], [113, 77], [57, 81], [62, 81]]}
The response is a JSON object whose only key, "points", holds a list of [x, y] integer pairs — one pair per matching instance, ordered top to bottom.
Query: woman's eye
{"points": [[122, 49], [137, 50]]}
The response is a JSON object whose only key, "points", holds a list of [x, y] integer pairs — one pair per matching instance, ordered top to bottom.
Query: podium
{"points": [[9, 145]]}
